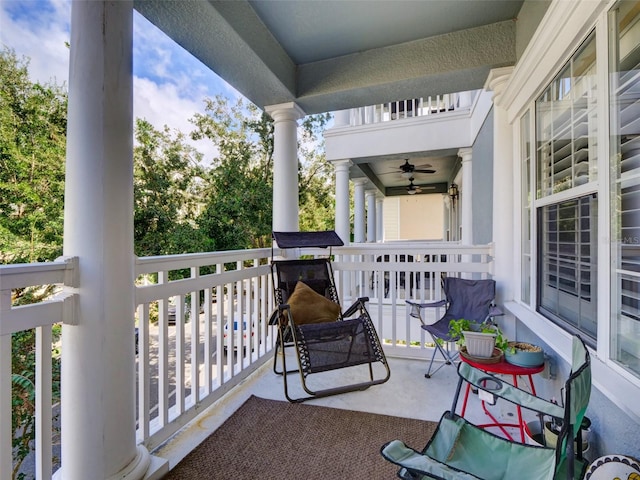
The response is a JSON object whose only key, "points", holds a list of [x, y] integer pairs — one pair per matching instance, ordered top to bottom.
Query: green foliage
{"points": [[33, 123], [316, 191], [167, 192], [238, 195], [458, 327]]}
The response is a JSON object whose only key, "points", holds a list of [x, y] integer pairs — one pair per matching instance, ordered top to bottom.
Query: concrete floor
{"points": [[407, 394]]}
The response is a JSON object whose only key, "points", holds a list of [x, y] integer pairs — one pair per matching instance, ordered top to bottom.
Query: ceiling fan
{"points": [[407, 169], [413, 189]]}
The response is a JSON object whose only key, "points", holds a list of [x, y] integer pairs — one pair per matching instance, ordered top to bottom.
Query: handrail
{"points": [[408, 108], [41, 316]]}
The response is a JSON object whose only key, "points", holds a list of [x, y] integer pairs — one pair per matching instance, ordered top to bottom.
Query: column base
{"points": [[143, 467], [137, 469]]}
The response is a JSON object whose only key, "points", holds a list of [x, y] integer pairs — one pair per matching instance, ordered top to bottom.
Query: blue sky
{"points": [[169, 84]]}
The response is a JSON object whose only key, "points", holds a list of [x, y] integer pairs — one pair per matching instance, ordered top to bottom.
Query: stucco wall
{"points": [[482, 185]]}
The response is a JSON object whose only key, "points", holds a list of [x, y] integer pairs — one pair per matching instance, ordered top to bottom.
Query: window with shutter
{"points": [[624, 62], [566, 206]]}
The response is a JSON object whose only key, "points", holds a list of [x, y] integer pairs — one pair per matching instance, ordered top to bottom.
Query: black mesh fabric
{"points": [[315, 273], [327, 346], [322, 347]]}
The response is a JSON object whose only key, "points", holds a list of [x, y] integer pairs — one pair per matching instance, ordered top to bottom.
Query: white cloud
{"points": [[39, 34], [169, 84], [163, 105]]}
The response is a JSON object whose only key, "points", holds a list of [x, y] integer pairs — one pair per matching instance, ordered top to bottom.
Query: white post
{"points": [[341, 118], [285, 166], [466, 197], [503, 201], [359, 211], [371, 216], [379, 218], [343, 219], [98, 367]]}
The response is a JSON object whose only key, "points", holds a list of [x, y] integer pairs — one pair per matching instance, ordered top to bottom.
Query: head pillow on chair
{"points": [[308, 306]]}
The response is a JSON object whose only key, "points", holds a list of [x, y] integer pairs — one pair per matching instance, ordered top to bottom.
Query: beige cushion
{"points": [[308, 306]]}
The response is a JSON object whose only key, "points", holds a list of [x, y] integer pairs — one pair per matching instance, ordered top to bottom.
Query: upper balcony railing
{"points": [[402, 109], [202, 324]]}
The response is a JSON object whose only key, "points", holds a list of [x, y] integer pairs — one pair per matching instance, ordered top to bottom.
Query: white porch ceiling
{"points": [[329, 55]]}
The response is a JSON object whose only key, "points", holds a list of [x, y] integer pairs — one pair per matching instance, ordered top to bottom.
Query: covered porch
{"points": [[124, 400]]}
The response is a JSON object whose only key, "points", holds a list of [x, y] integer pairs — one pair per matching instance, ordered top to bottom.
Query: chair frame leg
{"points": [[446, 354], [325, 392]]}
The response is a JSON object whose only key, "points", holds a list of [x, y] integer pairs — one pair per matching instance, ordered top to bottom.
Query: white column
{"points": [[285, 165], [466, 197], [503, 201], [371, 216], [343, 217], [379, 218], [359, 221], [98, 367]]}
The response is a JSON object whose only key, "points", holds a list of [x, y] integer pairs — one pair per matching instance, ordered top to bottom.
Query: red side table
{"points": [[504, 368]]}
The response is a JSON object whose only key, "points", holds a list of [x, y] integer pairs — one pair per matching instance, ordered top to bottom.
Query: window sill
{"points": [[607, 378]]}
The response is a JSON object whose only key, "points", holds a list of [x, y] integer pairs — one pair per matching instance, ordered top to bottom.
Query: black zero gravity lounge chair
{"points": [[311, 322]]}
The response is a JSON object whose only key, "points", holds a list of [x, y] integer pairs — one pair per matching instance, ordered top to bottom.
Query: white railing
{"points": [[409, 108], [392, 273], [41, 317], [181, 361], [186, 366]]}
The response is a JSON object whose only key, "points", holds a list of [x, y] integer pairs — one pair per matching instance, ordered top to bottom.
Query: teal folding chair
{"points": [[461, 450]]}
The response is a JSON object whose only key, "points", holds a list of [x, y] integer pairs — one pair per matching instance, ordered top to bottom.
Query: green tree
{"points": [[33, 123], [167, 184], [316, 187], [238, 195], [238, 213]]}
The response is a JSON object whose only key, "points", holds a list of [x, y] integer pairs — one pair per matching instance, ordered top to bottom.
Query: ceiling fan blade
{"points": [[420, 170]]}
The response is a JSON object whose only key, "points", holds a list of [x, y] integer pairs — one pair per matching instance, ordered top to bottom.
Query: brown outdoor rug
{"points": [[270, 439]]}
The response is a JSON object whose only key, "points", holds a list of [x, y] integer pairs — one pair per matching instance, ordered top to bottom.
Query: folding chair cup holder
{"points": [[303, 290]]}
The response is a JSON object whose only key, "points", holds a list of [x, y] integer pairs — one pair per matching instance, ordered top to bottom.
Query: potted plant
{"points": [[478, 339], [524, 354]]}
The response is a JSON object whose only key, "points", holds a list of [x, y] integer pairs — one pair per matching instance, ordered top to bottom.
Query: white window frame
{"points": [[553, 44]]}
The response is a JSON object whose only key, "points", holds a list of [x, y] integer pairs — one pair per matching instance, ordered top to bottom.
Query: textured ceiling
{"points": [[311, 31], [330, 55]]}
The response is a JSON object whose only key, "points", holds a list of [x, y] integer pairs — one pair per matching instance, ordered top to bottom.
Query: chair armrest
{"points": [[439, 303], [359, 304], [495, 311], [277, 313], [502, 389], [397, 452]]}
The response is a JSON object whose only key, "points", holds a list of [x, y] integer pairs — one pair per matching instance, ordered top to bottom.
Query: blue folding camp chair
{"points": [[472, 300], [461, 450]]}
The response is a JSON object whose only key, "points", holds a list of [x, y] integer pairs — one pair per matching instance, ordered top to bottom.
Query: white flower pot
{"points": [[480, 344]]}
